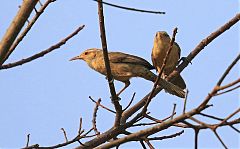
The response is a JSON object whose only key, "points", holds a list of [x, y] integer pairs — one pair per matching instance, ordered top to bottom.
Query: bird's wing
{"points": [[179, 50], [118, 57], [154, 60]]}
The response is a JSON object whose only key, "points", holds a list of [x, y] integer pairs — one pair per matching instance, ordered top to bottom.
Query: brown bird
{"points": [[159, 51], [124, 67]]}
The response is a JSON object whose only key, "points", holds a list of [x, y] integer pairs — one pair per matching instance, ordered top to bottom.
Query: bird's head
{"points": [[162, 36], [88, 55]]}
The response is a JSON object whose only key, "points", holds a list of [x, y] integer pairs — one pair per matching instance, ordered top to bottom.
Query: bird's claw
{"points": [[184, 59]]}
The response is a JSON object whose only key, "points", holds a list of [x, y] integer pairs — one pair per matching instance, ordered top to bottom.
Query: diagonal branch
{"points": [[15, 27], [27, 29], [42, 53], [184, 64], [229, 67], [160, 73], [229, 90], [99, 104], [115, 131]]}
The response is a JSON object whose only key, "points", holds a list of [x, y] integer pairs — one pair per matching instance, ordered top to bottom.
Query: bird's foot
{"points": [[184, 59]]}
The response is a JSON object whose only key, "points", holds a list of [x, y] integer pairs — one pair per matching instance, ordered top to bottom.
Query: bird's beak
{"points": [[75, 58]]}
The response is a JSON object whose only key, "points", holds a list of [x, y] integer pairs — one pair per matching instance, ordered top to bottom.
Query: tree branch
{"points": [[131, 9], [15, 27], [27, 29], [42, 53], [184, 64], [114, 97]]}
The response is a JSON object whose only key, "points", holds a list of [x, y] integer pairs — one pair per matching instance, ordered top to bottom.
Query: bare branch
{"points": [[131, 9], [15, 27], [27, 29], [42, 53], [230, 66], [229, 84], [227, 90], [114, 97], [185, 101], [130, 102], [104, 107], [174, 110], [210, 116], [227, 118], [94, 123], [80, 127], [196, 131], [65, 134], [167, 137], [28, 138], [219, 138], [148, 143], [143, 145]]}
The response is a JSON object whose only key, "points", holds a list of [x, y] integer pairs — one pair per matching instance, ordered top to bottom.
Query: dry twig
{"points": [[132, 9], [44, 52]]}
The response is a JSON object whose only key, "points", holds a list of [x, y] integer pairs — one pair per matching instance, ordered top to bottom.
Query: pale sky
{"points": [[50, 93]]}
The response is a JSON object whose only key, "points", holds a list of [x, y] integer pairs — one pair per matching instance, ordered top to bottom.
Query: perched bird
{"points": [[159, 51], [124, 67]]}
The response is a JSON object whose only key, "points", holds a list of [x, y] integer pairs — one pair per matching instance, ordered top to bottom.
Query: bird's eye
{"points": [[86, 53]]}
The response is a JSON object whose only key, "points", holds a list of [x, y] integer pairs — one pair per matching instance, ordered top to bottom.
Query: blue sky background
{"points": [[51, 92]]}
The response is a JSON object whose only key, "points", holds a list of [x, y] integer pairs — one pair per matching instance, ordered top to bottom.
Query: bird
{"points": [[160, 47], [124, 67]]}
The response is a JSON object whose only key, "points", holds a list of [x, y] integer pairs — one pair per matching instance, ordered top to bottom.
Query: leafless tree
{"points": [[132, 115]]}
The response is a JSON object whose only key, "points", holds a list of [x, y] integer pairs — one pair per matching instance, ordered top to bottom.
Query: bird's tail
{"points": [[178, 81], [168, 86]]}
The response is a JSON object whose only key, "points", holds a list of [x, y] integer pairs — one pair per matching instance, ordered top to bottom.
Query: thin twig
{"points": [[131, 9], [28, 28], [42, 53], [230, 66], [160, 73], [229, 84], [217, 87], [227, 91], [114, 98], [185, 101], [130, 102], [104, 107], [174, 110], [210, 116], [227, 118], [94, 123], [80, 127], [65, 134], [167, 137], [219, 138], [28, 139], [76, 139], [148, 143], [143, 145]]}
